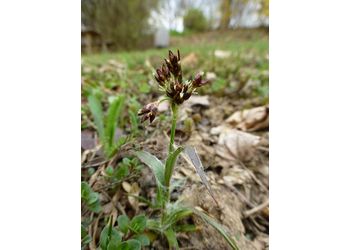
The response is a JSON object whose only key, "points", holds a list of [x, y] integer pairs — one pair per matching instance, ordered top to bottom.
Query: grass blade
{"points": [[97, 112], [112, 119], [192, 154], [154, 164], [169, 165], [157, 168], [217, 227], [171, 237]]}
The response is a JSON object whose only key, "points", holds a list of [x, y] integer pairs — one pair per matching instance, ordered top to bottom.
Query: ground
{"points": [[227, 123]]}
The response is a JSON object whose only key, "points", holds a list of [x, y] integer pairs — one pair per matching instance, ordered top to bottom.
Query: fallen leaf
{"points": [[222, 54], [190, 60], [198, 100], [250, 119], [235, 144]]}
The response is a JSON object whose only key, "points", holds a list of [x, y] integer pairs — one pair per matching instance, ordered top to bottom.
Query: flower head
{"points": [[170, 81], [149, 111]]}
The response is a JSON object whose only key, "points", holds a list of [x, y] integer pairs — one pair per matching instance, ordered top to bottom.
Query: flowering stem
{"points": [[174, 110]]}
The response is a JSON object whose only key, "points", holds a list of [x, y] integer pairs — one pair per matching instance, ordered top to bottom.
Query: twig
{"points": [[250, 172], [239, 194], [256, 209]]}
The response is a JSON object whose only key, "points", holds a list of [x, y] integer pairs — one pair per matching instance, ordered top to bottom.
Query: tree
{"points": [[195, 20], [125, 23]]}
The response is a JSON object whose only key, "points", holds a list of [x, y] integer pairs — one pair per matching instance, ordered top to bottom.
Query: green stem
{"points": [[174, 110]]}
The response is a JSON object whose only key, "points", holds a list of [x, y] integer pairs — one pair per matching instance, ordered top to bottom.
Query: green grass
{"points": [[218, 41]]}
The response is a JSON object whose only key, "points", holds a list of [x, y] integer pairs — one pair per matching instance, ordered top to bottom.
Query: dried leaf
{"points": [[222, 54], [190, 60], [250, 119]]}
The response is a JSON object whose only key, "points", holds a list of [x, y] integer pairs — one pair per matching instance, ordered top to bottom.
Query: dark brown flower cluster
{"points": [[170, 81], [149, 111]]}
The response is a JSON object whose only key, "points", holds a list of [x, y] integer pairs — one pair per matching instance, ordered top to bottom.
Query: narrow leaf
{"points": [[97, 112], [112, 119], [192, 154], [154, 163], [169, 165], [175, 213], [217, 227], [185, 228], [171, 237]]}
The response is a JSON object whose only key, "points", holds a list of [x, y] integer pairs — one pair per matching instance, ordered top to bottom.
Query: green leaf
{"points": [[144, 88], [97, 112], [112, 119], [134, 122], [126, 161], [154, 163], [169, 165], [157, 168], [109, 171], [121, 172], [85, 190], [90, 198], [93, 198], [95, 207], [175, 213], [123, 223], [138, 224], [154, 225], [217, 227], [185, 228], [108, 235], [85, 237], [171, 237], [144, 240], [134, 244], [113, 245], [130, 245]]}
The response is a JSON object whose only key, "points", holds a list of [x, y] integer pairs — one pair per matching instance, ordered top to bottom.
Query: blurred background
{"points": [[111, 25]]}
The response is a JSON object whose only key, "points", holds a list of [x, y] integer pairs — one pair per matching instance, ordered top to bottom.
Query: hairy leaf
{"points": [[192, 154], [154, 163], [157, 168], [174, 213], [138, 224], [171, 237]]}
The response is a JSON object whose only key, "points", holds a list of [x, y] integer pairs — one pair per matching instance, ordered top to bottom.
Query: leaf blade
{"points": [[97, 113], [112, 119], [192, 154], [153, 163], [169, 165], [206, 218], [171, 237]]}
